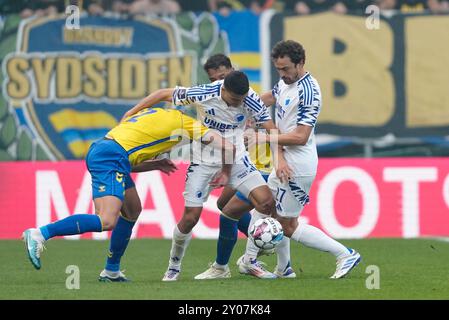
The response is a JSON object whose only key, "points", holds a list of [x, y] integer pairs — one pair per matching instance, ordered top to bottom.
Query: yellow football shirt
{"points": [[153, 131], [260, 155]]}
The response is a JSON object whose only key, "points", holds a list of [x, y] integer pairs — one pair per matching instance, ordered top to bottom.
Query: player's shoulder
{"points": [[307, 82], [308, 89], [253, 95], [253, 101]]}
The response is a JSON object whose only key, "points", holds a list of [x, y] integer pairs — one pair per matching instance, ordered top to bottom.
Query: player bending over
{"points": [[126, 148]]}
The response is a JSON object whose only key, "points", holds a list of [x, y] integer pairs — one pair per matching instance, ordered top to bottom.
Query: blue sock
{"points": [[244, 223], [75, 224], [226, 239], [119, 241]]}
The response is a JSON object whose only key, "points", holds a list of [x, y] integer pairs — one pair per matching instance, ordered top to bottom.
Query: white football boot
{"points": [[34, 245], [346, 264], [255, 268], [214, 272], [288, 272], [171, 274], [112, 276]]}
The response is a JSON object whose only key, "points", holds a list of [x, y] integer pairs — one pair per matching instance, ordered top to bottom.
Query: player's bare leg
{"points": [[226, 195], [108, 208], [182, 234]]}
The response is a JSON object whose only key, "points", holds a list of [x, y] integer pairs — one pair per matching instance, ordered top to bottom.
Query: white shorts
{"points": [[244, 178], [290, 196]]}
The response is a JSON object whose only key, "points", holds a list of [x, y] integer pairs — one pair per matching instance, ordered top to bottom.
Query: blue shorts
{"points": [[110, 169], [245, 199]]}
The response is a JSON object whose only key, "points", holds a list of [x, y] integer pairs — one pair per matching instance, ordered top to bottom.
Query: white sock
{"points": [[315, 238], [179, 245], [251, 249], [283, 253]]}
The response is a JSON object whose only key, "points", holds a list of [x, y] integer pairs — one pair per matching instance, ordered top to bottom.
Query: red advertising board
{"points": [[350, 198]]}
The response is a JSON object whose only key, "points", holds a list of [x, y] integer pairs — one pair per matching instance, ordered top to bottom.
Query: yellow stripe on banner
{"points": [[246, 60], [256, 87], [69, 118], [79, 148]]}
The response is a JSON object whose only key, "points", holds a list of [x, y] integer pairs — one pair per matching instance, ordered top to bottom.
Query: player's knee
{"points": [[266, 207], [135, 212], [190, 219], [108, 223], [187, 223]]}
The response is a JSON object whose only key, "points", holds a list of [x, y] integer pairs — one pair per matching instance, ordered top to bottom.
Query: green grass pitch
{"points": [[409, 269]]}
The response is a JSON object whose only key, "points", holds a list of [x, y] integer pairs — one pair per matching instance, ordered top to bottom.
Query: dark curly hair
{"points": [[292, 49], [216, 61]]}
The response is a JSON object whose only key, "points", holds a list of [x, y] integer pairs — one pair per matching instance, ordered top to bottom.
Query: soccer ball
{"points": [[266, 233]]}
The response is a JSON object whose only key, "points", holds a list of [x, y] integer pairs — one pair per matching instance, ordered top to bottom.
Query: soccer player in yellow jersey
{"points": [[131, 146]]}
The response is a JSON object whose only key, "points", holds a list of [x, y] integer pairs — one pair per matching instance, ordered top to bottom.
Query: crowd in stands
{"points": [[27, 8]]}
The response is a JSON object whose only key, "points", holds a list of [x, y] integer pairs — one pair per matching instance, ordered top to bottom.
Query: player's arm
{"points": [[268, 98], [152, 99], [305, 122], [298, 137], [164, 165], [283, 171]]}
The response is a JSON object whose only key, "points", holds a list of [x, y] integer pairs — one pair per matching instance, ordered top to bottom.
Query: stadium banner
{"points": [[242, 29], [375, 80], [63, 88], [350, 198]]}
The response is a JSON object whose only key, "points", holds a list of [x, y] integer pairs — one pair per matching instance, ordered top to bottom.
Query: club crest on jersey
{"points": [[287, 101], [240, 117]]}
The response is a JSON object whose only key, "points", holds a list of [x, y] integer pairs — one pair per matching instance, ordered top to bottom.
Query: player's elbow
{"points": [[166, 94], [302, 141]]}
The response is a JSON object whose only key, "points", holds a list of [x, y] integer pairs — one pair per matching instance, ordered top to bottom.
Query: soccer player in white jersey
{"points": [[297, 97], [223, 105], [235, 208]]}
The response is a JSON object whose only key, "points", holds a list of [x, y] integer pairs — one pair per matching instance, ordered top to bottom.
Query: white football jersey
{"points": [[299, 103], [214, 113]]}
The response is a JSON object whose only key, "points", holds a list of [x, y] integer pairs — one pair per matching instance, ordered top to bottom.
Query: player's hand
{"points": [[253, 138], [165, 165], [283, 171], [220, 179]]}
